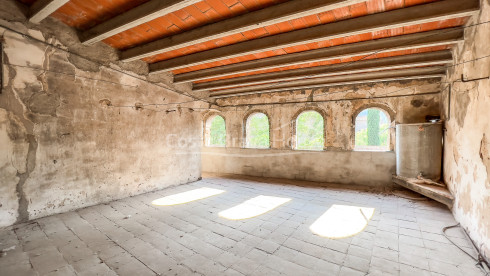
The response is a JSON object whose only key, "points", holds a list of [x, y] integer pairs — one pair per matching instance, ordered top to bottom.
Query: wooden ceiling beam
{"points": [[43, 8], [435, 11], [132, 18], [246, 22], [403, 42], [397, 62], [378, 76]]}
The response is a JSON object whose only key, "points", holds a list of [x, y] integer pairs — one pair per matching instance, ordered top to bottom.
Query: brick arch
{"points": [[321, 111], [244, 125]]}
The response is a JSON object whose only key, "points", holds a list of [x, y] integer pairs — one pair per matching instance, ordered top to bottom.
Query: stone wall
{"points": [[405, 101], [466, 108], [71, 134], [345, 167]]}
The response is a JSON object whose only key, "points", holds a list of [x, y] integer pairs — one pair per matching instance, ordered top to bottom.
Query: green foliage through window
{"points": [[372, 130], [257, 131], [309, 131], [217, 132]]}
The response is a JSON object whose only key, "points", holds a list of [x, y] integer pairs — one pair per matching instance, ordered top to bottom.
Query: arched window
{"points": [[372, 128], [257, 131], [309, 131], [215, 135]]}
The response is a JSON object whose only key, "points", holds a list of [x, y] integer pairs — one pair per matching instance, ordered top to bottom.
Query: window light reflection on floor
{"points": [[185, 197], [253, 207], [342, 221]]}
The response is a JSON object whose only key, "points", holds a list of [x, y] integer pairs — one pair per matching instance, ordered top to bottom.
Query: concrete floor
{"points": [[133, 237]]}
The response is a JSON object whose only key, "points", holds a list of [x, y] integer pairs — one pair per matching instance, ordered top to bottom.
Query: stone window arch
{"points": [[372, 128], [309, 129], [214, 130], [257, 130]]}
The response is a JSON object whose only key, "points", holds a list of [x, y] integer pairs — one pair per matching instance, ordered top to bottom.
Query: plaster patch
{"points": [[36, 34], [22, 53], [83, 63], [25, 77], [353, 95], [462, 101], [105, 102], [44, 103], [416, 103], [13, 152], [485, 154], [456, 155], [458, 178], [465, 205]]}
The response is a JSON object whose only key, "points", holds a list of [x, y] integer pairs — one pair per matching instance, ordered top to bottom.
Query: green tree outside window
{"points": [[373, 127], [372, 130], [258, 131], [309, 131], [217, 132]]}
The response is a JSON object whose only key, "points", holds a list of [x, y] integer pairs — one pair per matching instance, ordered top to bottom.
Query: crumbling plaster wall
{"points": [[467, 137], [65, 143], [338, 163]]}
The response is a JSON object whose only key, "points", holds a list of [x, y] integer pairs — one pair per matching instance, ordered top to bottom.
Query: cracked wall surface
{"points": [[466, 108], [70, 134], [13, 156], [338, 163]]}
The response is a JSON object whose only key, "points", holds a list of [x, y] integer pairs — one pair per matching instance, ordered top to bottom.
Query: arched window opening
{"points": [[372, 130], [257, 131], [310, 131], [215, 132]]}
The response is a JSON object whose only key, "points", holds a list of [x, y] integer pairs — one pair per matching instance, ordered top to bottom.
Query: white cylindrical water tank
{"points": [[419, 150]]}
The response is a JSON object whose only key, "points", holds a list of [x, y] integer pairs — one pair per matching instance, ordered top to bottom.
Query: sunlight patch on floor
{"points": [[186, 197], [253, 207], [342, 221]]}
